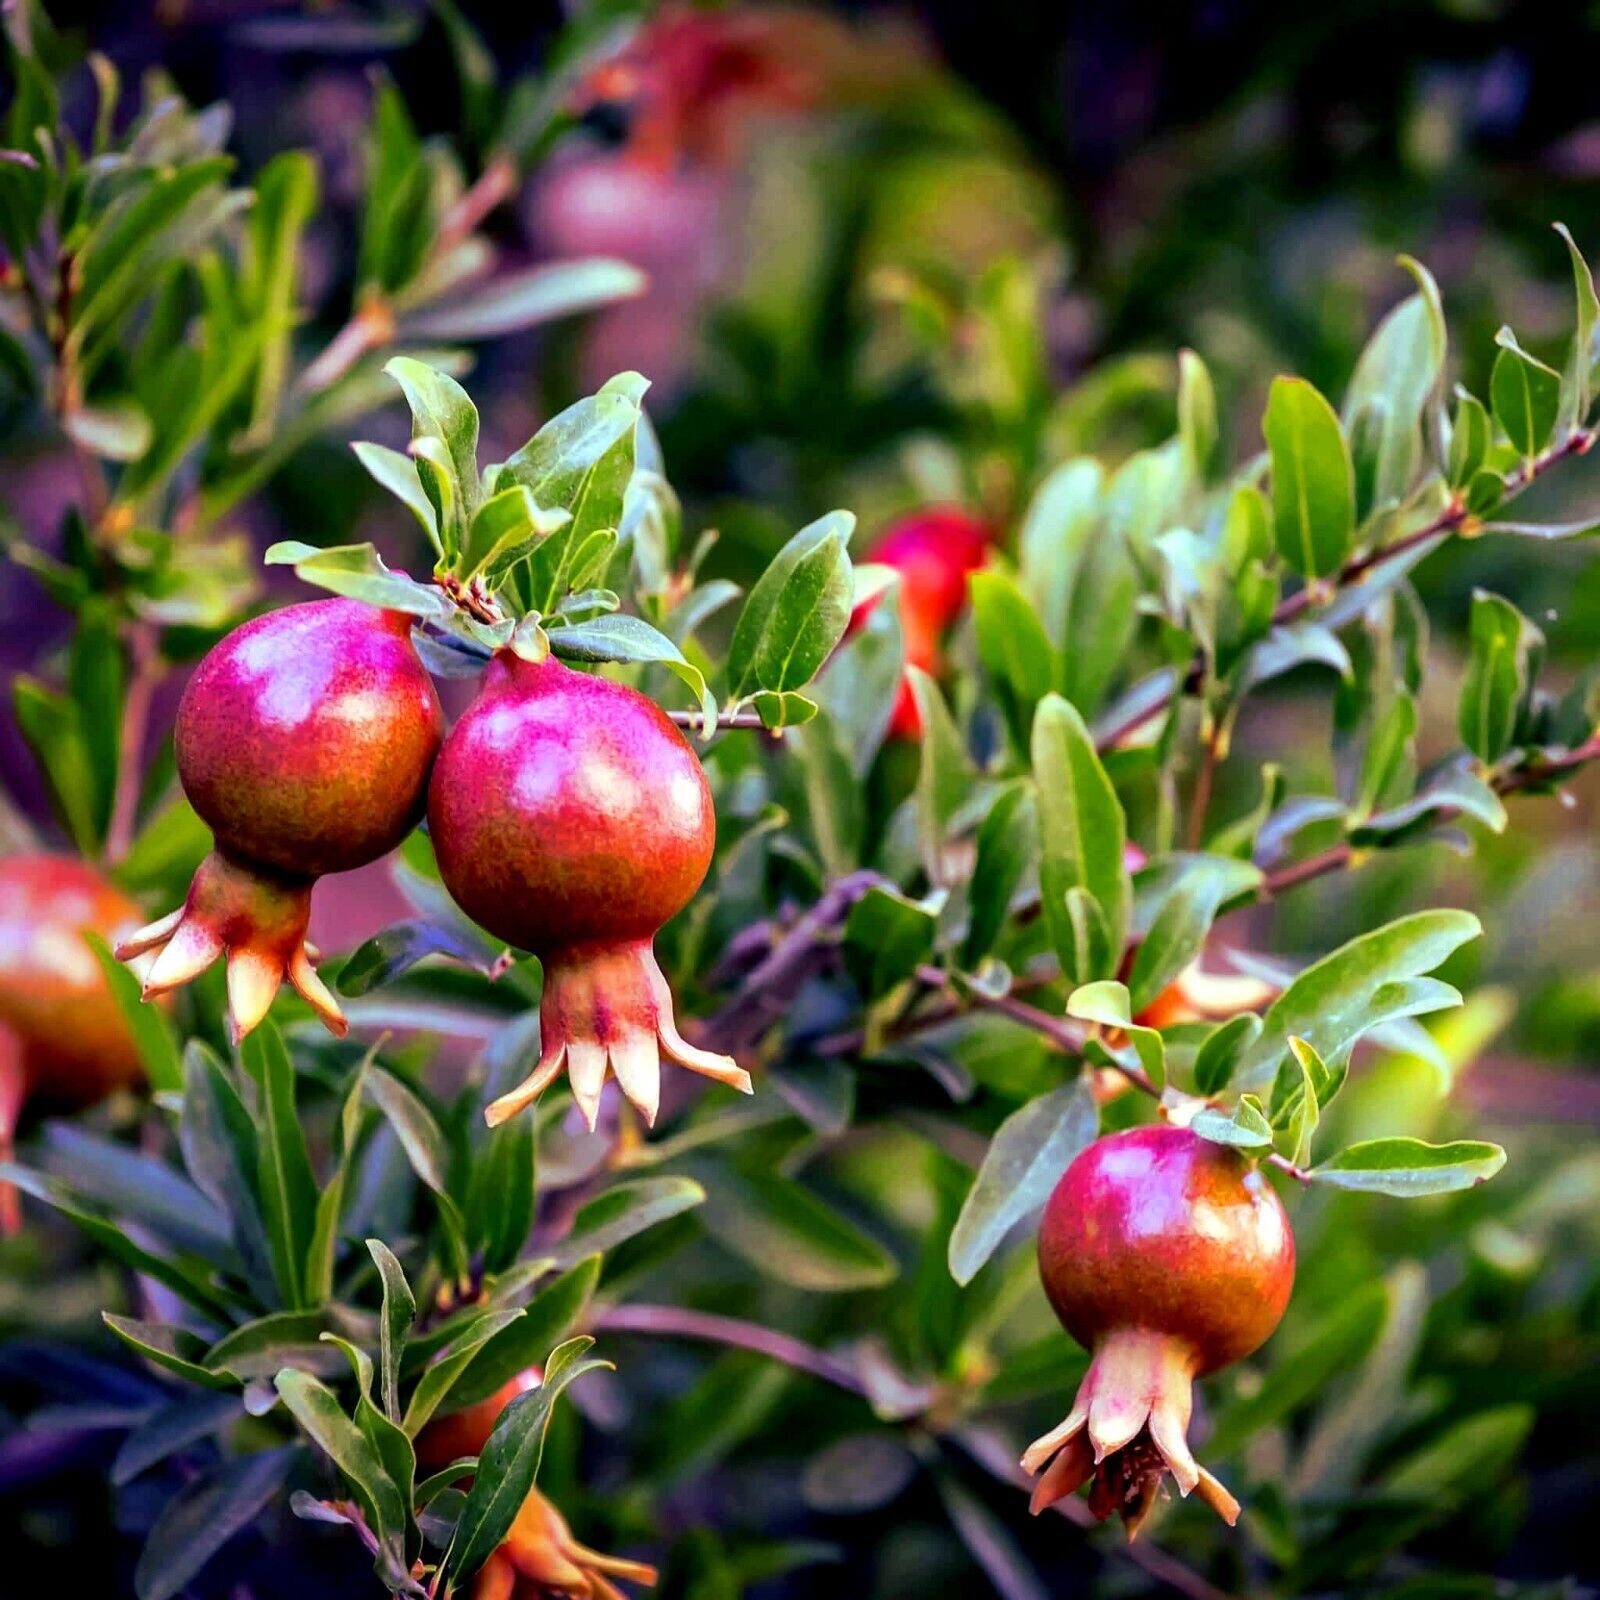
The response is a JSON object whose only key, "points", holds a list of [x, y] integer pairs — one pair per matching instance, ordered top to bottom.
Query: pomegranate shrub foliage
{"points": [[896, 928]]}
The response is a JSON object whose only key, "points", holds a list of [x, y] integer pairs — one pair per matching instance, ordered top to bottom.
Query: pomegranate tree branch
{"points": [[1454, 518], [680, 1322]]}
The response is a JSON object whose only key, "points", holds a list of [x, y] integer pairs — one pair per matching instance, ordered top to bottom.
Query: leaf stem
{"points": [[1453, 519]]}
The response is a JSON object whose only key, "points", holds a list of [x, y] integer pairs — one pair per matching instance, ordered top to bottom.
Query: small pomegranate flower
{"points": [[304, 741], [571, 819], [63, 1038], [1168, 1257], [540, 1560]]}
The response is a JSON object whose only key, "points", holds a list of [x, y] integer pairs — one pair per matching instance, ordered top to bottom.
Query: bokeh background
{"points": [[1234, 176]]}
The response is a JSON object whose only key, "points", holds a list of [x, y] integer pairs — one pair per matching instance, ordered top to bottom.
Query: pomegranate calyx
{"points": [[255, 919], [603, 1006], [1127, 1429], [541, 1560]]}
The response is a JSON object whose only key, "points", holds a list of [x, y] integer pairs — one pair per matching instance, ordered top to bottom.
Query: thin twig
{"points": [[491, 188], [1453, 519], [727, 719], [679, 1322]]}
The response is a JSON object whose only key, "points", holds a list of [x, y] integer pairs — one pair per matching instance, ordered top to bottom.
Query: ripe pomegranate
{"points": [[935, 551], [304, 741], [570, 818], [63, 1037], [1169, 1258], [443, 1439], [540, 1560]]}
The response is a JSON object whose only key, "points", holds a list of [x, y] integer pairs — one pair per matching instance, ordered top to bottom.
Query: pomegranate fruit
{"points": [[935, 551], [304, 741], [570, 818], [63, 1037], [1168, 1258], [540, 1560]]}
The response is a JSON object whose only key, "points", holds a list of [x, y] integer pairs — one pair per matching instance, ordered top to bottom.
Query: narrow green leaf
{"points": [[1577, 379], [1525, 395], [1312, 483], [357, 571], [797, 612], [1505, 651], [944, 776], [1081, 836], [1008, 842], [154, 1036], [1246, 1128], [1025, 1159], [1409, 1167], [288, 1189], [399, 1312]]}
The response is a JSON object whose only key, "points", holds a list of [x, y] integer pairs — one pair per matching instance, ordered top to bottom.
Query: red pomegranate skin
{"points": [[935, 550], [305, 738], [567, 810], [571, 818], [63, 1037], [1159, 1229], [1168, 1257]]}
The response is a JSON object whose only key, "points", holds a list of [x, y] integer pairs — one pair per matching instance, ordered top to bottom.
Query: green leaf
{"points": [[518, 300], [1396, 376], [1577, 380], [1524, 394], [1197, 413], [444, 435], [1469, 439], [580, 461], [398, 474], [1312, 483], [507, 527], [1058, 535], [357, 571], [797, 612], [620, 637], [1013, 647], [1505, 650], [787, 709], [52, 726], [944, 776], [1449, 791], [1081, 836], [1008, 841], [1179, 929], [887, 937], [1105, 1003], [1331, 1004], [154, 1037], [1218, 1056], [1303, 1110], [414, 1124], [1246, 1128], [1025, 1160], [1408, 1167], [288, 1189], [622, 1211], [785, 1232], [321, 1252], [399, 1312], [547, 1319], [266, 1345], [177, 1350], [438, 1378], [313, 1405], [176, 1426], [1469, 1456], [509, 1464], [204, 1515]]}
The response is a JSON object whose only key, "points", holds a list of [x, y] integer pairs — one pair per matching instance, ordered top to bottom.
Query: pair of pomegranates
{"points": [[569, 817]]}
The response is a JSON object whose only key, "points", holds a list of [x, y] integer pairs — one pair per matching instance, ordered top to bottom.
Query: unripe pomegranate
{"points": [[935, 551], [304, 741], [570, 818], [63, 1037], [1168, 1257], [443, 1439], [540, 1560]]}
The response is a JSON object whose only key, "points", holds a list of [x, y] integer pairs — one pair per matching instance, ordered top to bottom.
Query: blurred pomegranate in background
{"points": [[935, 551], [63, 1038], [447, 1438]]}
